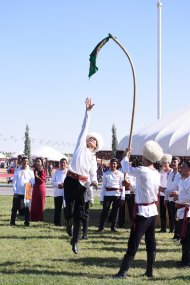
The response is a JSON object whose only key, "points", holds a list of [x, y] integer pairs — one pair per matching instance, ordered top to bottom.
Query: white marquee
{"points": [[171, 132]]}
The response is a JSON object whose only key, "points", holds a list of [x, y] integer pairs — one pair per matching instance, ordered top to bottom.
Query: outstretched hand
{"points": [[89, 104]]}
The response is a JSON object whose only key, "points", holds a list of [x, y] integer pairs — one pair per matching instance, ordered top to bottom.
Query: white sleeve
{"points": [[84, 130], [93, 170], [134, 171], [53, 180], [14, 182], [90, 193]]}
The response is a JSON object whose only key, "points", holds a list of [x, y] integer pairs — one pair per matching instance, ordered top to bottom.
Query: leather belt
{"points": [[77, 176], [112, 189]]}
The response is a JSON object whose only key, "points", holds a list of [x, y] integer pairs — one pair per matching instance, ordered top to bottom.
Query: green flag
{"points": [[93, 68]]}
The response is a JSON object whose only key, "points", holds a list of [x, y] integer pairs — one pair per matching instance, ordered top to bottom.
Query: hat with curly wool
{"points": [[152, 151], [167, 158]]}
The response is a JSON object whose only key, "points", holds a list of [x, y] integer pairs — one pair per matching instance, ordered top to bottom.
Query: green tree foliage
{"points": [[114, 140], [27, 144]]}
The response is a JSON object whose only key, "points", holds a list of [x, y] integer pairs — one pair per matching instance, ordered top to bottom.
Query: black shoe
{"points": [[12, 224], [27, 224], [57, 225], [100, 230], [114, 230], [162, 231], [84, 237], [176, 238], [74, 246], [183, 264], [148, 274], [120, 275]]}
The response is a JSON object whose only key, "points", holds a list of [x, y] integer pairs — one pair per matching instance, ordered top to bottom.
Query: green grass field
{"points": [[41, 254]]}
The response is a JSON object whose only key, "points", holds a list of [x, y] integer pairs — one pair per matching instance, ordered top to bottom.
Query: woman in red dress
{"points": [[39, 192]]}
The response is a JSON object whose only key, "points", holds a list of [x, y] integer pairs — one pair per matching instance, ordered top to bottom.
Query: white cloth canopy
{"points": [[171, 132], [49, 153]]}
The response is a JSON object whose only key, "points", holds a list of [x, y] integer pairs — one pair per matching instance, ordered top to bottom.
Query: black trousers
{"points": [[108, 200], [130, 201], [58, 204], [75, 204], [16, 207], [162, 213], [172, 215], [85, 220], [142, 226], [186, 240]]}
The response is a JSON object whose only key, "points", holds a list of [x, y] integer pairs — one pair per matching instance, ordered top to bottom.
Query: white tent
{"points": [[172, 133], [49, 153]]}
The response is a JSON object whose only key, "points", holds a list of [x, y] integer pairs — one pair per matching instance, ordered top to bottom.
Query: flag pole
{"points": [[159, 63], [134, 87]]}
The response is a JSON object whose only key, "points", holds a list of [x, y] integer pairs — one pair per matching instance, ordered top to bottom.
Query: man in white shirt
{"points": [[166, 169], [82, 172], [22, 176], [57, 181], [172, 182], [112, 192], [182, 195], [146, 196]]}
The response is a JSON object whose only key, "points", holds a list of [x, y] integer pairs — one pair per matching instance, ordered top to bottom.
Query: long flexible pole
{"points": [[134, 88]]}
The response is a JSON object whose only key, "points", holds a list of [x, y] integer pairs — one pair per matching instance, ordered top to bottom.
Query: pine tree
{"points": [[114, 141], [27, 144]]}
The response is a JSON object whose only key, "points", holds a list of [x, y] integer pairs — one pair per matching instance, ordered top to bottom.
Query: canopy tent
{"points": [[172, 133], [49, 153]]}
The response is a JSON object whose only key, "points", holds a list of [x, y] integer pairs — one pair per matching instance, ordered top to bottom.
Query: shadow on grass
{"points": [[99, 262]]}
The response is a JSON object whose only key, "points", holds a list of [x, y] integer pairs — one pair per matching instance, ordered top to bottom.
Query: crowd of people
{"points": [[140, 189]]}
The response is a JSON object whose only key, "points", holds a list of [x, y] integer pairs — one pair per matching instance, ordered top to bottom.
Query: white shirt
{"points": [[83, 160], [21, 177], [58, 177], [112, 179], [173, 179], [164, 180], [147, 184], [184, 196]]}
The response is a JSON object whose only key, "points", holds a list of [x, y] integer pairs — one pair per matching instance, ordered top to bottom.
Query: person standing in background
{"points": [[166, 169], [22, 176], [57, 181], [39, 192]]}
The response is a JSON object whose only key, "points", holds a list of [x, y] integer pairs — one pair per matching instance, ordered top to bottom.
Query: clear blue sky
{"points": [[44, 62]]}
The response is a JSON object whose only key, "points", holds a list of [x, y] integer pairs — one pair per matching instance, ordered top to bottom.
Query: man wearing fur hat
{"points": [[165, 171], [82, 172], [173, 180], [147, 184]]}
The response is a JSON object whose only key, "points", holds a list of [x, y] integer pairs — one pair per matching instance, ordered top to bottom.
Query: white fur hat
{"points": [[98, 138], [152, 151], [166, 158]]}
